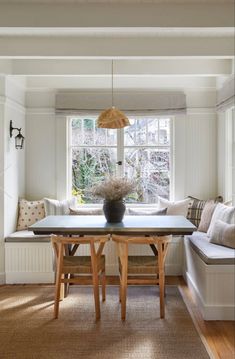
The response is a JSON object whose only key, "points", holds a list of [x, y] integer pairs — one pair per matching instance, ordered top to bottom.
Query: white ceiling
{"points": [[116, 1], [154, 46]]}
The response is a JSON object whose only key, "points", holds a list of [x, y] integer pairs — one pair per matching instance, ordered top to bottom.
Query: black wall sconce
{"points": [[19, 138]]}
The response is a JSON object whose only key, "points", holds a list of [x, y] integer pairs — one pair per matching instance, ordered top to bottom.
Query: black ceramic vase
{"points": [[114, 210]]}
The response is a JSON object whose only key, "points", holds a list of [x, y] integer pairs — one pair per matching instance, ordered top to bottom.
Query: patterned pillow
{"points": [[195, 208], [29, 213], [206, 216]]}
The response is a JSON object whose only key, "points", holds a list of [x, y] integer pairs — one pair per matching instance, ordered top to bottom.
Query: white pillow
{"points": [[53, 207], [178, 208], [85, 211], [146, 212], [223, 213], [223, 234]]}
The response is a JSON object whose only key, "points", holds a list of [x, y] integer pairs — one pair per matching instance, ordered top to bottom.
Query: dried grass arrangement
{"points": [[114, 188]]}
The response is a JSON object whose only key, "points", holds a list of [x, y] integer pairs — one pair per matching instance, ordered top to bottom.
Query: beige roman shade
{"points": [[151, 102]]}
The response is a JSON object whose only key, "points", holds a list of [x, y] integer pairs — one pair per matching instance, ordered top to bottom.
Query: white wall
{"points": [[195, 147], [201, 154], [226, 154], [40, 155], [12, 164], [1, 186]]}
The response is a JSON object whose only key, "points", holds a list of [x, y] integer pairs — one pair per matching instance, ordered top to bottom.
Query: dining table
{"points": [[97, 224], [150, 230]]}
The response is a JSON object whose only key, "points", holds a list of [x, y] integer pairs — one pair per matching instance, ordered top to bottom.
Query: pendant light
{"points": [[112, 117]]}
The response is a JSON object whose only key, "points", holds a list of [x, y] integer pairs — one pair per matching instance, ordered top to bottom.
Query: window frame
{"points": [[230, 154], [120, 155]]}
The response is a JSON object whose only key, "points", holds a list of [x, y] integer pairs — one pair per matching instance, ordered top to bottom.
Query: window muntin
{"points": [[141, 151]]}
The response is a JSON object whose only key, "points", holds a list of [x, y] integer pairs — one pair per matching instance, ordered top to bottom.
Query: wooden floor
{"points": [[218, 336]]}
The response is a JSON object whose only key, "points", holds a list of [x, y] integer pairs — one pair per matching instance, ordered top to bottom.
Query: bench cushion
{"points": [[27, 236], [210, 253]]}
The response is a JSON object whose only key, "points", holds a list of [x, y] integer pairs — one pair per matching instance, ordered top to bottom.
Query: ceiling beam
{"points": [[180, 14], [116, 46], [159, 67], [128, 82]]}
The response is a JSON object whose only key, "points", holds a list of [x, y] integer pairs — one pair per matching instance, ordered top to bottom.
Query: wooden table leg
{"points": [[123, 252], [95, 279], [161, 279], [58, 280], [103, 280]]}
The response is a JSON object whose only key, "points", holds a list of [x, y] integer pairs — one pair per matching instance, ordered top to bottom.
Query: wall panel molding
{"points": [[4, 100]]}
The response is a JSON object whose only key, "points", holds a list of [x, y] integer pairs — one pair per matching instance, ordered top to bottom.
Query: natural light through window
{"points": [[141, 151]]}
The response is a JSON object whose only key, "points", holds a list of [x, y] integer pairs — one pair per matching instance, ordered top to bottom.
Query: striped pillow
{"points": [[196, 207]]}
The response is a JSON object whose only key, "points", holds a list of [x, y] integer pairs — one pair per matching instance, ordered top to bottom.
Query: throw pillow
{"points": [[55, 207], [179, 208], [195, 208], [85, 211], [146, 212], [29, 213], [223, 213], [206, 216], [223, 233]]}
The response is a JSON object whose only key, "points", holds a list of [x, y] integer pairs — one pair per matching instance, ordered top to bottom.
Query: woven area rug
{"points": [[28, 330]]}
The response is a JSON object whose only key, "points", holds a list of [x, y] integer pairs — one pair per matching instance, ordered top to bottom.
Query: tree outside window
{"points": [[141, 152]]}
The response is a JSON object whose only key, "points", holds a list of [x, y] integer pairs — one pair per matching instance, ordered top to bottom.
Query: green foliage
{"points": [[78, 193]]}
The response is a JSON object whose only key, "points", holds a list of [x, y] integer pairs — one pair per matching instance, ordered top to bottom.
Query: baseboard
{"points": [[30, 277], [2, 278], [210, 312]]}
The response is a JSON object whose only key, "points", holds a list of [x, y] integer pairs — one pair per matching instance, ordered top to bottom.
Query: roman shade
{"points": [[157, 103]]}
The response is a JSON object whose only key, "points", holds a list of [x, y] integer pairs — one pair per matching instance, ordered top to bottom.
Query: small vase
{"points": [[114, 210]]}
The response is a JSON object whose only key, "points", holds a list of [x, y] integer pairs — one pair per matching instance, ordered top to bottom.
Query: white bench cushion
{"points": [[26, 236], [211, 253]]}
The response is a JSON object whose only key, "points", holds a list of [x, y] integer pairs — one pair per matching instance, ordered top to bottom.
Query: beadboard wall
{"points": [[12, 161], [34, 262], [29, 263]]}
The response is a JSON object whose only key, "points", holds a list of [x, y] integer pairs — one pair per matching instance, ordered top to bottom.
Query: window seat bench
{"points": [[28, 258], [209, 271]]}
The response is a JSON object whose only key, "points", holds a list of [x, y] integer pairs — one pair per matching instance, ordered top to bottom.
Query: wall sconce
{"points": [[19, 138]]}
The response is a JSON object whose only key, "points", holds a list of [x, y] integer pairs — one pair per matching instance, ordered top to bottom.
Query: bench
{"points": [[29, 258], [209, 271]]}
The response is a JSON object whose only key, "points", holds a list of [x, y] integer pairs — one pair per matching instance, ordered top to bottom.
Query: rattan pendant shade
{"points": [[112, 117]]}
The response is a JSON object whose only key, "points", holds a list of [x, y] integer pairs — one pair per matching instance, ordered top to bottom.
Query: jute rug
{"points": [[28, 330]]}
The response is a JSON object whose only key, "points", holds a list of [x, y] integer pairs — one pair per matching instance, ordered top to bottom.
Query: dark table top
{"points": [[82, 225]]}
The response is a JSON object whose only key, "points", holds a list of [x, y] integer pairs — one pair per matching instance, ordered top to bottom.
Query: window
{"points": [[141, 151]]}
